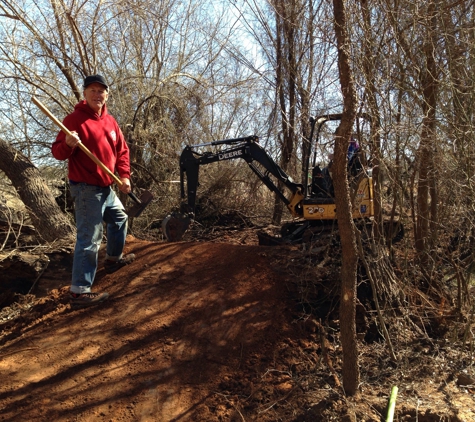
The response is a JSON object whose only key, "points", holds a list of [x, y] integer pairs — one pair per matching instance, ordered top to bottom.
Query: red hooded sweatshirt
{"points": [[103, 137]]}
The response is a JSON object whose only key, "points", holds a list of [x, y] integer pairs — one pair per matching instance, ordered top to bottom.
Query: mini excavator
{"points": [[310, 205]]}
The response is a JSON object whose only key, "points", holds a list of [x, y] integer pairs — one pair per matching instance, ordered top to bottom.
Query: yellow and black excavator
{"points": [[311, 204]]}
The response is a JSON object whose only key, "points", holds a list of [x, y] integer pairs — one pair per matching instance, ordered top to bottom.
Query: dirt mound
{"points": [[207, 332]]}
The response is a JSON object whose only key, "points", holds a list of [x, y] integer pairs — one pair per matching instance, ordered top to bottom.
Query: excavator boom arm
{"points": [[245, 148]]}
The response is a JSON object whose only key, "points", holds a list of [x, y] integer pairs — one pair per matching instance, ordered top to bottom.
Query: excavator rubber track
{"points": [[309, 232]]}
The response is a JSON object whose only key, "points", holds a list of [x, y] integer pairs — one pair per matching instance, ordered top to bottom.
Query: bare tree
{"points": [[286, 33], [427, 201], [350, 370]]}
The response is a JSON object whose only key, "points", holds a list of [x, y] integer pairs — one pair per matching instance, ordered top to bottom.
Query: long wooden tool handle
{"points": [[43, 108]]}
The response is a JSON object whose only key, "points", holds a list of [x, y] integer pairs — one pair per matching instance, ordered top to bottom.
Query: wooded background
{"points": [[183, 73]]}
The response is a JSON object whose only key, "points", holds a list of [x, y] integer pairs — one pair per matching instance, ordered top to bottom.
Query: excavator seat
{"points": [[322, 185]]}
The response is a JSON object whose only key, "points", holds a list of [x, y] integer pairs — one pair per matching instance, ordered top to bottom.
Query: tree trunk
{"points": [[369, 71], [286, 89], [50, 223], [426, 226], [375, 258], [350, 371]]}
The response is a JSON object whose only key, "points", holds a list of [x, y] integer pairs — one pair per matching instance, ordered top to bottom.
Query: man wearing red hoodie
{"points": [[94, 199]]}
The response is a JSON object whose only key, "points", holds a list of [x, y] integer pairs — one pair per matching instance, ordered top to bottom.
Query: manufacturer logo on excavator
{"points": [[229, 155]]}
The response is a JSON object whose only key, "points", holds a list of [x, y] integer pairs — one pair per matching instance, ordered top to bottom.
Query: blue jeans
{"points": [[93, 206]]}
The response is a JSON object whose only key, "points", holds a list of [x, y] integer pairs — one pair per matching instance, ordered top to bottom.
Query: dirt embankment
{"points": [[208, 332]]}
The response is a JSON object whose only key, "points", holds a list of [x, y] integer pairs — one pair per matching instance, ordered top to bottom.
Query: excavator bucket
{"points": [[175, 225]]}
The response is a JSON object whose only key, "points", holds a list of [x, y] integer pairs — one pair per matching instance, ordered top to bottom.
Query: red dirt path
{"points": [[181, 320], [192, 332]]}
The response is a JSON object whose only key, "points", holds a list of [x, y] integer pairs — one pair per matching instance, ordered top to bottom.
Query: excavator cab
{"points": [[321, 184], [319, 198]]}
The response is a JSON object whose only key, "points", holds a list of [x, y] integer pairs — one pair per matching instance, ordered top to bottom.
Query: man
{"points": [[354, 162], [91, 188]]}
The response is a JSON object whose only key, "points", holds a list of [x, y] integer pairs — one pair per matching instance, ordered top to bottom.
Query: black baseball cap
{"points": [[95, 79]]}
